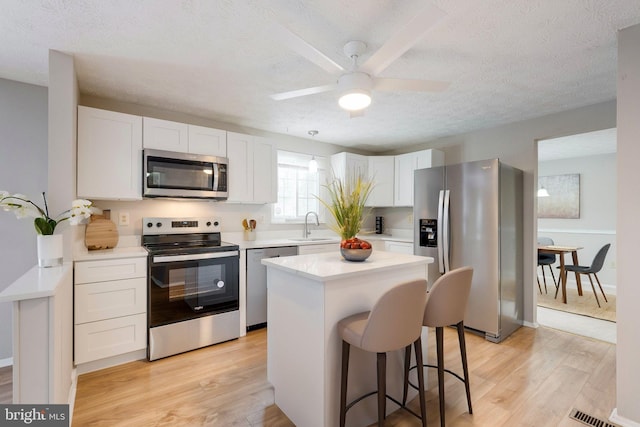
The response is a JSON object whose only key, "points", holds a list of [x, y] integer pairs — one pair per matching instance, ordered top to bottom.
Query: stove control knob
{"points": [[208, 223], [216, 223], [149, 224], [158, 224]]}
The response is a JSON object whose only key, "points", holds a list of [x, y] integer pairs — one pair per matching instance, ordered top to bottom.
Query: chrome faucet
{"points": [[306, 232]]}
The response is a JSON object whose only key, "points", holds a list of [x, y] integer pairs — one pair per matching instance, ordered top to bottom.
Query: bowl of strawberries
{"points": [[354, 249]]}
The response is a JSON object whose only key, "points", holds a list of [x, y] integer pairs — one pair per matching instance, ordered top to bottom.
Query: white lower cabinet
{"points": [[399, 247], [110, 305], [111, 337]]}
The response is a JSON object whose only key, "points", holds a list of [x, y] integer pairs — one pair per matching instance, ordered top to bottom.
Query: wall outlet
{"points": [[123, 218], [410, 218]]}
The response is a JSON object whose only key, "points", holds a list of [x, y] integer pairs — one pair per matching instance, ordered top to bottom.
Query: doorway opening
{"points": [[576, 217]]}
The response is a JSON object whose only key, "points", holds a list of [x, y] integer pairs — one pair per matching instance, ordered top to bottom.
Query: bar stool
{"points": [[446, 304], [394, 322]]}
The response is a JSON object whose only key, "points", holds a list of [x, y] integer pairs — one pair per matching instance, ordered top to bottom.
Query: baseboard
{"points": [[533, 325], [6, 362], [108, 362], [624, 422]]}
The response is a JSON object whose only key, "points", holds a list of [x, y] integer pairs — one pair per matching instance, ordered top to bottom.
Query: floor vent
{"points": [[589, 420]]}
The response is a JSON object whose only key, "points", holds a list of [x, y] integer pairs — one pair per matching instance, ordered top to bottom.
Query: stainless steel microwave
{"points": [[184, 175]]}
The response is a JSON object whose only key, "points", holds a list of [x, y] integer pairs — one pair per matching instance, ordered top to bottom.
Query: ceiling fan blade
{"points": [[403, 40], [299, 45], [392, 85], [303, 92]]}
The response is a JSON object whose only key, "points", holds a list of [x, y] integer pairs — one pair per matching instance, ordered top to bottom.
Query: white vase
{"points": [[50, 250]]}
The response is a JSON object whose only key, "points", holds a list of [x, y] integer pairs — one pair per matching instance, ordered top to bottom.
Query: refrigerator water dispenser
{"points": [[429, 233]]}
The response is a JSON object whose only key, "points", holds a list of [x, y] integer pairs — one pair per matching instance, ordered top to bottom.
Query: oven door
{"points": [[187, 286]]}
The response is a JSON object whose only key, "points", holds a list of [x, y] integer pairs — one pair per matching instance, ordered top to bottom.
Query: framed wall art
{"points": [[563, 200]]}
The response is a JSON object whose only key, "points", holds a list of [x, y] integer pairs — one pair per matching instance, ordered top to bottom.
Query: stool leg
{"points": [[440, 353], [463, 355], [407, 363], [343, 382], [382, 387], [423, 410]]}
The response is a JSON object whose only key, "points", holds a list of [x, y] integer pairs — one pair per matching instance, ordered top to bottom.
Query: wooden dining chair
{"points": [[548, 260], [594, 268]]}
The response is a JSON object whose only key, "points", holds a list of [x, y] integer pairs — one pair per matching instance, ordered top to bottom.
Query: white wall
{"points": [[63, 104], [62, 111], [23, 169], [597, 223], [628, 315]]}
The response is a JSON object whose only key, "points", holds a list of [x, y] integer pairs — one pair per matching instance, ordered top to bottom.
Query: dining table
{"points": [[561, 251]]}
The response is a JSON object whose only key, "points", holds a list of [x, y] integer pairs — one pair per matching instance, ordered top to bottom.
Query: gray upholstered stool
{"points": [[446, 304], [394, 322]]}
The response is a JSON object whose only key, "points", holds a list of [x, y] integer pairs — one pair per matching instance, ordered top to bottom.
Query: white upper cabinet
{"points": [[165, 135], [184, 138], [209, 141], [109, 155], [347, 165], [405, 165], [252, 169], [265, 171], [240, 173], [381, 174]]}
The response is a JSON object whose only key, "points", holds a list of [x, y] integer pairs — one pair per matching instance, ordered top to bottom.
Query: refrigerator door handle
{"points": [[440, 234], [445, 238]]}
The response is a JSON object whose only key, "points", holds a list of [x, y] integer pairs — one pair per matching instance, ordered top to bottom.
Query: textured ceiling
{"points": [[507, 60], [584, 144]]}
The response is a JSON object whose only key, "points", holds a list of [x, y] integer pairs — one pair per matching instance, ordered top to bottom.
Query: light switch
{"points": [[123, 218]]}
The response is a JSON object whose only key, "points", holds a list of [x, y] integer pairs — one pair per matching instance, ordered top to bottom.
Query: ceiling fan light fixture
{"points": [[355, 99]]}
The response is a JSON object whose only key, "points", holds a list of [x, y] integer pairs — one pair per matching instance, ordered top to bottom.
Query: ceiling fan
{"points": [[356, 84]]}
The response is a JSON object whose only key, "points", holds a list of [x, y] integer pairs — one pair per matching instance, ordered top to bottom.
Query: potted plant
{"points": [[346, 205], [49, 244]]}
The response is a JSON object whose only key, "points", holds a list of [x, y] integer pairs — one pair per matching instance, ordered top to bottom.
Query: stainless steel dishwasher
{"points": [[257, 283]]}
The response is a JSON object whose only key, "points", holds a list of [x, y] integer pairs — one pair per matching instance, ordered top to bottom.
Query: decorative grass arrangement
{"points": [[347, 204]]}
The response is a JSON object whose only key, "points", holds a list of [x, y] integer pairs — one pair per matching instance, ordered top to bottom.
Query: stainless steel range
{"points": [[193, 285]]}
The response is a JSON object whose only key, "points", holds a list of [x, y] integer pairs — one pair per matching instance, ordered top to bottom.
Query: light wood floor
{"points": [[6, 378], [534, 378]]}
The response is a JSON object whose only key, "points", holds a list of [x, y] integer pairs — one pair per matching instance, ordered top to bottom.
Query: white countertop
{"points": [[115, 253], [330, 265], [36, 283]]}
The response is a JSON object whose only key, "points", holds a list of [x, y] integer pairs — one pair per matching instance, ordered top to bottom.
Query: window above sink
{"points": [[298, 188]]}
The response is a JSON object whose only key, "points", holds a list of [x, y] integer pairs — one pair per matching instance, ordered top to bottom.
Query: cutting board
{"points": [[101, 233]]}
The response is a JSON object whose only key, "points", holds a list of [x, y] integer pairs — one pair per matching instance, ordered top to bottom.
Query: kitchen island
{"points": [[307, 296]]}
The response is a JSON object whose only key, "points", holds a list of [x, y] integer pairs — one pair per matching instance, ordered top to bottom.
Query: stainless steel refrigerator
{"points": [[470, 214]]}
